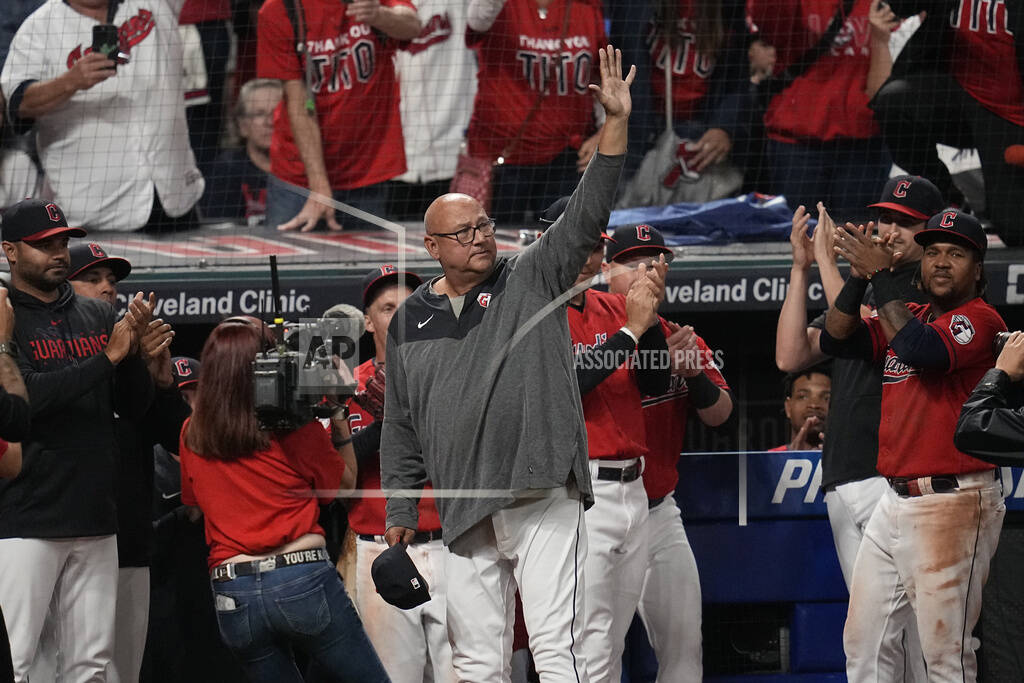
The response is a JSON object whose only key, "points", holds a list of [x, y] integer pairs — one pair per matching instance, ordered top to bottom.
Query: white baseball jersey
{"points": [[437, 76], [106, 148]]}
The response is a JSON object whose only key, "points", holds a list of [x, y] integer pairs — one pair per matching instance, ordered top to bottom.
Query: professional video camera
{"points": [[309, 370]]}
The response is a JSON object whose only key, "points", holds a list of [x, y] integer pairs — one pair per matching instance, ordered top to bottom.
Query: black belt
{"points": [[623, 474], [911, 487], [655, 502], [420, 537], [226, 572]]}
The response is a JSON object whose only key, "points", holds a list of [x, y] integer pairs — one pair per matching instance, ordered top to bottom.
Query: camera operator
{"points": [[991, 425], [274, 586]]}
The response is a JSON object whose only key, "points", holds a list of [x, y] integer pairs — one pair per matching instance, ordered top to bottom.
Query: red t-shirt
{"points": [[195, 11], [519, 57], [985, 58], [690, 69], [355, 90], [828, 101], [920, 408], [615, 421], [665, 424], [778, 449], [260, 502], [366, 515]]}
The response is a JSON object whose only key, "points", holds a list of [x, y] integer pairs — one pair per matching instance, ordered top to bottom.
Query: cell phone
{"points": [[106, 41]]}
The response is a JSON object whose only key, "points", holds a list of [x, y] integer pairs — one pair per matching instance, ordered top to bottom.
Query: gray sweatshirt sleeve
{"points": [[554, 261], [401, 458]]}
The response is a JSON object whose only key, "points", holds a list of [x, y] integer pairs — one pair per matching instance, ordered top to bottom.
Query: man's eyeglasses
{"points": [[269, 115], [466, 235]]}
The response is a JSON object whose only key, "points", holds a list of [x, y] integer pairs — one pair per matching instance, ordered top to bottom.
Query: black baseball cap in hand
{"points": [[911, 195], [34, 220], [954, 226], [86, 255], [397, 579]]}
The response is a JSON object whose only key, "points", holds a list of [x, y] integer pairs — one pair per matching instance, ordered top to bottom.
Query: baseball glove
{"points": [[371, 399]]}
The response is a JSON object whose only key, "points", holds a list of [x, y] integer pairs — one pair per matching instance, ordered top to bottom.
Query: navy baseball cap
{"points": [[911, 195], [552, 213], [33, 220], [954, 226], [630, 240], [86, 255], [386, 274], [185, 371], [397, 580]]}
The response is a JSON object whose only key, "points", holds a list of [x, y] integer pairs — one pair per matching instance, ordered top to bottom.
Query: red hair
{"points": [[223, 423]]}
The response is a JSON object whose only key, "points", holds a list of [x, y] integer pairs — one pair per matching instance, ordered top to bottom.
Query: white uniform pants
{"points": [[849, 508], [539, 545], [923, 558], [615, 568], [79, 577], [670, 604], [131, 624], [412, 644]]}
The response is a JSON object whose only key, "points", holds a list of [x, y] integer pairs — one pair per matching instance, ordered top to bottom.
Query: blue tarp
{"points": [[748, 218]]}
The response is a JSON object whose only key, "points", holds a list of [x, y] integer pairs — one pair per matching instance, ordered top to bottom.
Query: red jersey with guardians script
{"points": [[520, 57], [985, 58], [690, 69], [354, 87], [828, 101], [920, 408], [615, 421], [665, 423], [261, 501], [366, 515]]}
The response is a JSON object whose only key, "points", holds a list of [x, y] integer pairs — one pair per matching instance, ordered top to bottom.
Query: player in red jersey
{"points": [[521, 53], [960, 81], [338, 131], [606, 329], [807, 397], [928, 544], [670, 601], [412, 644]]}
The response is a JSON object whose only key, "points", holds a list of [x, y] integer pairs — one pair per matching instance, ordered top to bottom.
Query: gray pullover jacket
{"points": [[487, 404]]}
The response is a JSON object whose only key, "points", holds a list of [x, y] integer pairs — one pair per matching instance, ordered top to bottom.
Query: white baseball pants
{"points": [[849, 508], [538, 544], [923, 558], [615, 568], [79, 577], [670, 603], [131, 624], [412, 644]]}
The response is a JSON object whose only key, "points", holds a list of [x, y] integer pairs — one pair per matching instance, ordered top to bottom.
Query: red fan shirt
{"points": [[195, 11], [521, 56], [985, 57], [690, 69], [355, 91], [828, 101], [920, 408], [615, 420], [665, 423], [259, 502], [366, 514]]}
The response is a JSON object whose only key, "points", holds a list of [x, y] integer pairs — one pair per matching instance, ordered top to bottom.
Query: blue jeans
{"points": [[846, 175], [283, 204], [263, 616]]}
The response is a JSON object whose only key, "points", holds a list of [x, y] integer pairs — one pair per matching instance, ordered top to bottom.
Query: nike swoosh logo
{"points": [[419, 326], [168, 497]]}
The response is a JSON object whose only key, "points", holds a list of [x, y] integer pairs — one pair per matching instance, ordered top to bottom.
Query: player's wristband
{"points": [[885, 288], [850, 296], [702, 391], [338, 443]]}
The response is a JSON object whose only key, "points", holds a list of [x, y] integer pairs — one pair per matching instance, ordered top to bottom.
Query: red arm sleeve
{"points": [[310, 451]]}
